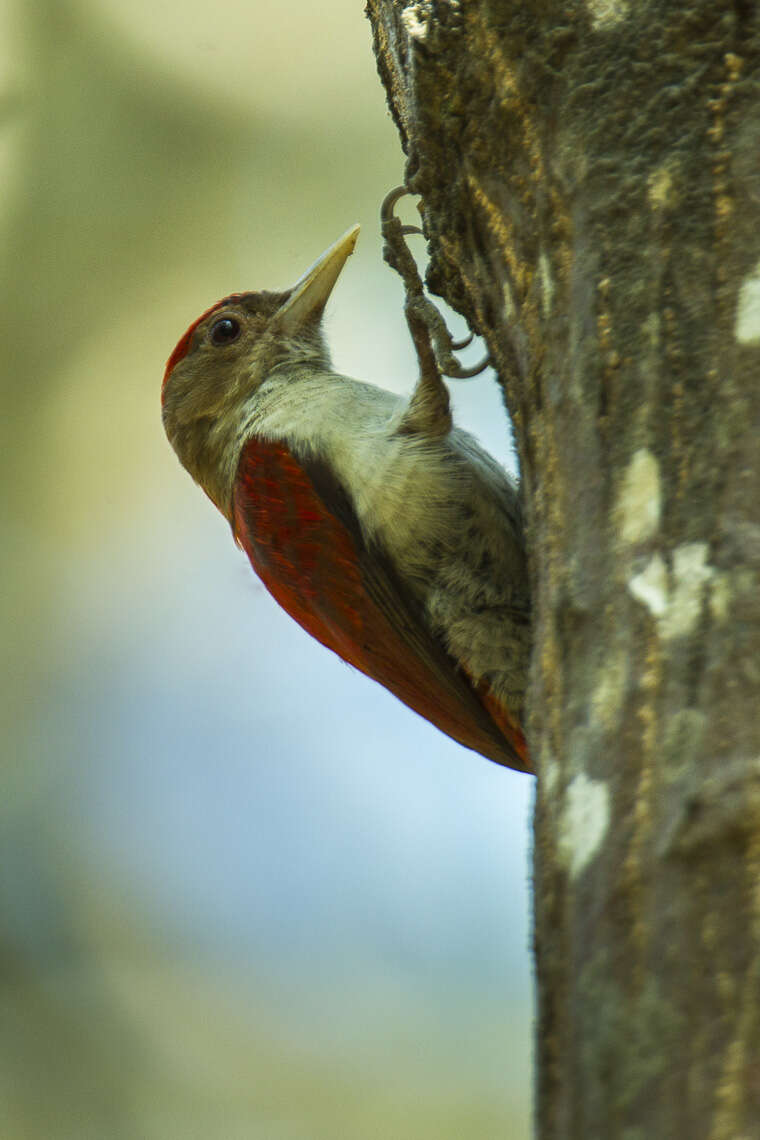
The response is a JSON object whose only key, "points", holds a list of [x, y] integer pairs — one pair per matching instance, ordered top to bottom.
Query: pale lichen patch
{"points": [[605, 14], [415, 18], [661, 189], [547, 283], [509, 302], [747, 326], [639, 500], [691, 573], [650, 586], [720, 597], [675, 599], [609, 692], [549, 771], [584, 822]]}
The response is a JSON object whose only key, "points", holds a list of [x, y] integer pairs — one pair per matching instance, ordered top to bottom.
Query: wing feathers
{"points": [[299, 529]]}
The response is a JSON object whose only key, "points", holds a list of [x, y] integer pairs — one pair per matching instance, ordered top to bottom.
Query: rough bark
{"points": [[589, 177]]}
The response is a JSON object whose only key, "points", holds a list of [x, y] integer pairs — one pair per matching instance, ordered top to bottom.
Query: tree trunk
{"points": [[589, 177]]}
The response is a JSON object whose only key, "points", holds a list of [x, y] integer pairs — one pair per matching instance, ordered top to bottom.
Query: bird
{"points": [[389, 534]]}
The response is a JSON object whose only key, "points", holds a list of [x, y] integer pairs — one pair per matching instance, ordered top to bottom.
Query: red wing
{"points": [[300, 532]]}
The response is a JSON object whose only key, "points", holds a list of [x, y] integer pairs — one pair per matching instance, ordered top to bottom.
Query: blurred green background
{"points": [[243, 891]]}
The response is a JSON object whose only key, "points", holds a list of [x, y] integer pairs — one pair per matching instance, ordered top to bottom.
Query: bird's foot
{"points": [[425, 322]]}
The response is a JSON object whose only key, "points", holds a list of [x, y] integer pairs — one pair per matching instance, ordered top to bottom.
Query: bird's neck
{"points": [[284, 405]]}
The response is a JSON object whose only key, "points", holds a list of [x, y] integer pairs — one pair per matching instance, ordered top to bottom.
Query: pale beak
{"points": [[308, 296]]}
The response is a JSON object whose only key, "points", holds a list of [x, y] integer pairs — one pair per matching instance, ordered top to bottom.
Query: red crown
{"points": [[183, 344]]}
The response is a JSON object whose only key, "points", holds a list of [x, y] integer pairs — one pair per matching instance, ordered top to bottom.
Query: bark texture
{"points": [[590, 189]]}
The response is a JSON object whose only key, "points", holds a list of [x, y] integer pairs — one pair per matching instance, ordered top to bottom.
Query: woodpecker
{"points": [[389, 535]]}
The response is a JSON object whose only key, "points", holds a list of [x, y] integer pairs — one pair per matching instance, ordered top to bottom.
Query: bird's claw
{"points": [[389, 203], [397, 255], [457, 372]]}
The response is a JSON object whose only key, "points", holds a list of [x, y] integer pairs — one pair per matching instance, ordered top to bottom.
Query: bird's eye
{"points": [[225, 331]]}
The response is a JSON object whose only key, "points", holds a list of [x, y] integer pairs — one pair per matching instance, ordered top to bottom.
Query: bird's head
{"points": [[227, 353]]}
